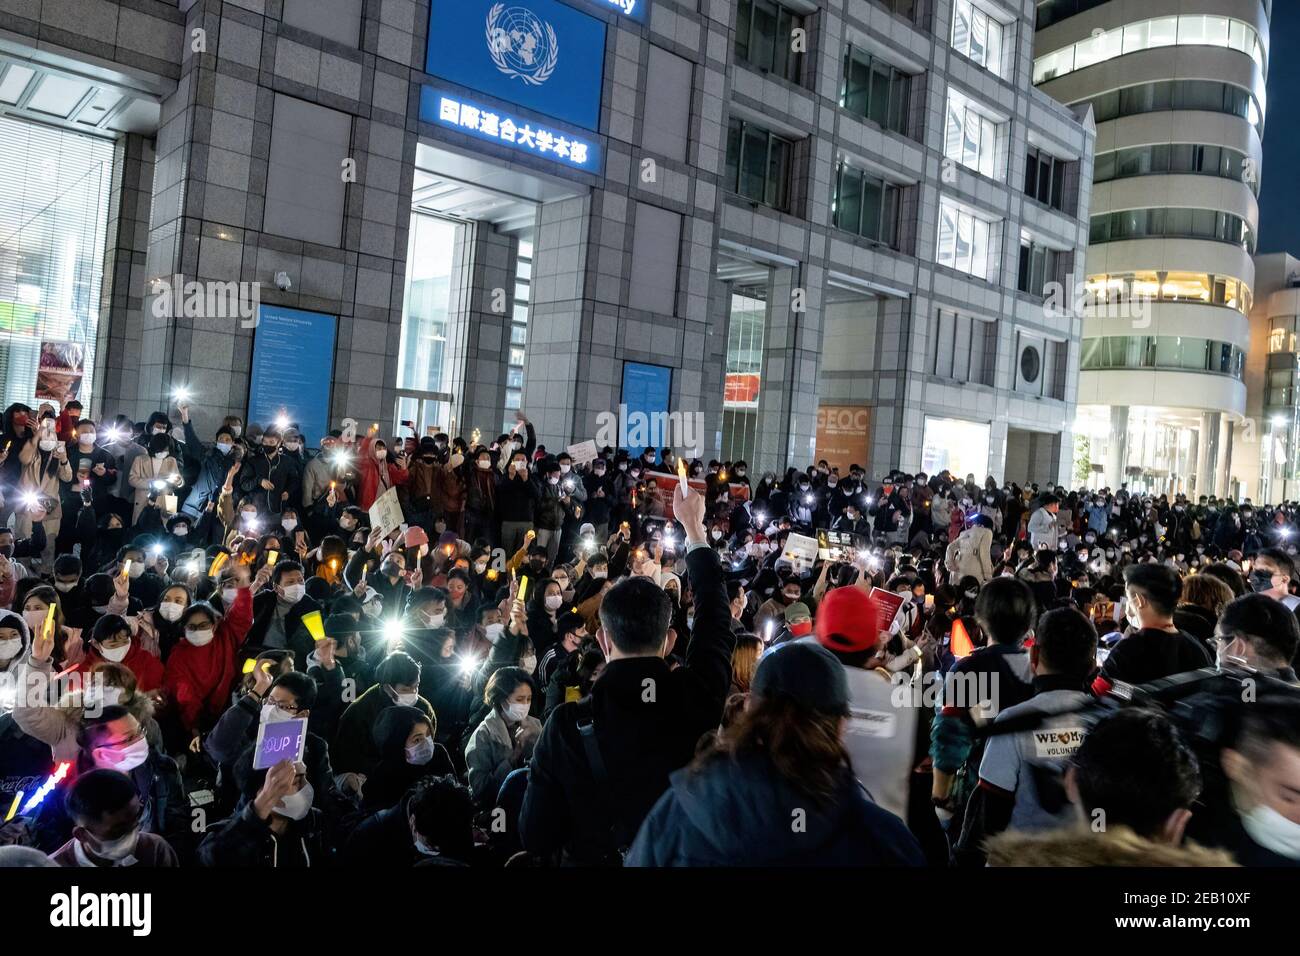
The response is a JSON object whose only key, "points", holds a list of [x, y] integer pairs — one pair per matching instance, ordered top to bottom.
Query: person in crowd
{"points": [[1154, 647], [404, 737], [505, 738], [784, 758], [603, 761], [1021, 775], [1132, 784], [105, 809]]}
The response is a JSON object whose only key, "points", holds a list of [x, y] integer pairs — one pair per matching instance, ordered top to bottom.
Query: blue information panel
{"points": [[542, 55], [457, 111], [293, 366], [646, 389]]}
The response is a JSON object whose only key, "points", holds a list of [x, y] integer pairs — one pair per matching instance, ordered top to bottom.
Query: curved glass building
{"points": [[1177, 93]]}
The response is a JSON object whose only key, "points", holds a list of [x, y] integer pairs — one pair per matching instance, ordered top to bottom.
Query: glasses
{"points": [[285, 706]]}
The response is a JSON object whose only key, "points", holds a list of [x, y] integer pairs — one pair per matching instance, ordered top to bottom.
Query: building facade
{"points": [[1178, 94], [847, 229], [1265, 466]]}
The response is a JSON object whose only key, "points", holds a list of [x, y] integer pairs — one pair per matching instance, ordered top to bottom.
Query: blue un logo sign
{"points": [[521, 44]]}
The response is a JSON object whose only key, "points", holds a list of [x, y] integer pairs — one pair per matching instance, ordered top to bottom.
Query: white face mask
{"points": [[236, 430], [86, 441], [48, 444], [381, 454], [483, 465], [521, 466], [564, 469], [289, 523], [180, 531], [599, 575], [63, 587], [293, 593], [228, 596], [553, 601], [373, 609], [170, 611], [35, 620], [434, 620], [494, 632], [198, 638], [11, 648], [115, 654], [529, 664], [407, 700], [514, 713], [273, 714], [421, 753], [126, 759], [295, 806], [1272, 831], [116, 850]]}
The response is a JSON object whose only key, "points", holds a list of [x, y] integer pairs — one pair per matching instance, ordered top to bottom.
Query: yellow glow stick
{"points": [[271, 558], [217, 563], [126, 568], [523, 589], [315, 626], [48, 630], [13, 808]]}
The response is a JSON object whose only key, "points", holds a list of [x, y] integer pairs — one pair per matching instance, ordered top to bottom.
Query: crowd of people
{"points": [[229, 653]]}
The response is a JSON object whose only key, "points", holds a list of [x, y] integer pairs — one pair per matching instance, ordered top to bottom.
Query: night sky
{"points": [[1279, 202]]}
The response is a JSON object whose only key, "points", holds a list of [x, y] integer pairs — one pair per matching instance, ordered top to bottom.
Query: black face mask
{"points": [[7, 550]]}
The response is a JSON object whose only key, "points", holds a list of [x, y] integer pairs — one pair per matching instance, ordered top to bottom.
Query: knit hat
{"points": [[415, 536], [798, 611], [848, 620], [806, 673]]}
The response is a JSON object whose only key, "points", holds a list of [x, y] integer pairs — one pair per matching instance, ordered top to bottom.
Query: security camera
{"points": [[283, 282]]}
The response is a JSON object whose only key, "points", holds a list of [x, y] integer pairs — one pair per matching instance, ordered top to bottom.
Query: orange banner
{"points": [[843, 433]]}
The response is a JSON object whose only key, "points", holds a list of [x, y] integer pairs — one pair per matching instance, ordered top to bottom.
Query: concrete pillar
{"points": [[478, 332], [117, 350], [787, 401], [1117, 446]]}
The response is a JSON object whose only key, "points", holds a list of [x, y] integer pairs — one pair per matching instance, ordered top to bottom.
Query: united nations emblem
{"points": [[521, 44]]}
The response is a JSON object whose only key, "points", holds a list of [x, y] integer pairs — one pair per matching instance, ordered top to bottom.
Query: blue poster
{"points": [[542, 55], [293, 366], [646, 389]]}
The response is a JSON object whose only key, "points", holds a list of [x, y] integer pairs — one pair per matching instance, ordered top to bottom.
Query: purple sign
{"points": [[280, 740]]}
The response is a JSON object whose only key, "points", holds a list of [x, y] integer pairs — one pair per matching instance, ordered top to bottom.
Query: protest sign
{"points": [[279, 740]]}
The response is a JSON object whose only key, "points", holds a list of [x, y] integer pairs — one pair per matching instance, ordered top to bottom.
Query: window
{"points": [[1193, 29], [977, 36], [763, 38], [875, 90], [1176, 95], [971, 138], [1179, 158], [758, 164], [1045, 178], [866, 205], [54, 206], [1172, 224], [963, 240], [1038, 266], [1169, 287], [518, 330], [1281, 337], [964, 350], [1167, 352], [1054, 369]]}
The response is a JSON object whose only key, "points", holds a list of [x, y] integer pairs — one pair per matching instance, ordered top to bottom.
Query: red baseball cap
{"points": [[848, 620]]}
